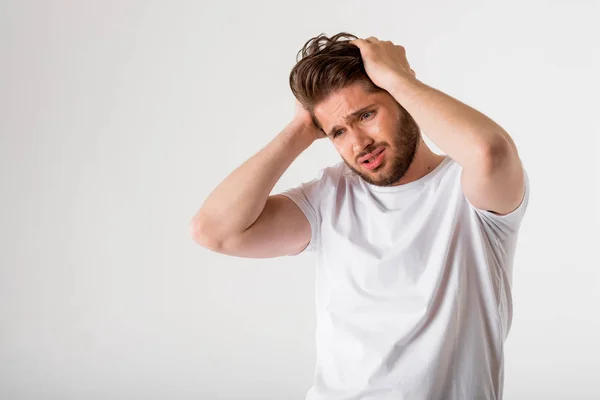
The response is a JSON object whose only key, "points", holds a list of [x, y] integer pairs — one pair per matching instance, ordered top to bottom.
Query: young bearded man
{"points": [[414, 249]]}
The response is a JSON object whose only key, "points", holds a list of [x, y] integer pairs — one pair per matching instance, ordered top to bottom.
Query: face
{"points": [[375, 137]]}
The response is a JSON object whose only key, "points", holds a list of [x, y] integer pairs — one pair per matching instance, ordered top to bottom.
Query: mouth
{"points": [[374, 159]]}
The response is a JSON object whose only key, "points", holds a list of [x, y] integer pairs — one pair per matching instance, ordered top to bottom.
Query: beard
{"points": [[399, 155]]}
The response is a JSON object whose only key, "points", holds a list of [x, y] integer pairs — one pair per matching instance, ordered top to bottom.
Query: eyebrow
{"points": [[350, 117]]}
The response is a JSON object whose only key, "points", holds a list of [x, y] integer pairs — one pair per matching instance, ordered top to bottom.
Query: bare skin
{"points": [[385, 124], [240, 218]]}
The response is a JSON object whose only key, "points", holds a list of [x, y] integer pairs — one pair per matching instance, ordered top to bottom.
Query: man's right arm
{"points": [[240, 218]]}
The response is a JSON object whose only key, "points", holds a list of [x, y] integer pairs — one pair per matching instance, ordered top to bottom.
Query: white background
{"points": [[118, 118]]}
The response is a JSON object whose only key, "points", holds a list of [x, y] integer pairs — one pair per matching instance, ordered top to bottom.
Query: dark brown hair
{"points": [[327, 65]]}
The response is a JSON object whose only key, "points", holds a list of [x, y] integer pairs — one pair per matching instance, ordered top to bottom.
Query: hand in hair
{"points": [[384, 61], [305, 119]]}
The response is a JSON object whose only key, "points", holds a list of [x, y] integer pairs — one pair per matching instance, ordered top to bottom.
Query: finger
{"points": [[372, 39], [358, 42]]}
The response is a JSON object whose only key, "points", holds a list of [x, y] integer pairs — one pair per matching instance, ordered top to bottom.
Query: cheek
{"points": [[376, 130]]}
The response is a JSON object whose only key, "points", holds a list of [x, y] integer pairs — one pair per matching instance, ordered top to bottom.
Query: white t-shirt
{"points": [[413, 287]]}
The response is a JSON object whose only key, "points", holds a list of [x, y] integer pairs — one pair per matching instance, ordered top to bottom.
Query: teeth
{"points": [[371, 159]]}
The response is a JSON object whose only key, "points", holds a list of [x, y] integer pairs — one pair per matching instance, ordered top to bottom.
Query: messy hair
{"points": [[325, 66]]}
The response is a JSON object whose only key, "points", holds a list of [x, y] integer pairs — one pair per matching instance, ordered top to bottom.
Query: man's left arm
{"points": [[492, 177]]}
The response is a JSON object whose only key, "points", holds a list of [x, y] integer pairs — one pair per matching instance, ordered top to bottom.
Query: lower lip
{"points": [[376, 162]]}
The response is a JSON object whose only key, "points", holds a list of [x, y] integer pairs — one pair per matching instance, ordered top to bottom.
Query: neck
{"points": [[424, 162]]}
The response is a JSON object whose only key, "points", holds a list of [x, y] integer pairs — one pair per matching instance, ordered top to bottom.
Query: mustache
{"points": [[369, 151]]}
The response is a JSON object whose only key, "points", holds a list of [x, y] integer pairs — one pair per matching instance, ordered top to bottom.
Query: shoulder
{"points": [[334, 173]]}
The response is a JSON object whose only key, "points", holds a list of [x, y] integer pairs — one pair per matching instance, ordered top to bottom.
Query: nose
{"points": [[360, 140]]}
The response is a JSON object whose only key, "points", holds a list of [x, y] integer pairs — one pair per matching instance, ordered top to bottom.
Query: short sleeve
{"points": [[307, 196], [504, 226]]}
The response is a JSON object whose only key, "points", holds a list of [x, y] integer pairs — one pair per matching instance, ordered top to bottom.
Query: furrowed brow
{"points": [[350, 117]]}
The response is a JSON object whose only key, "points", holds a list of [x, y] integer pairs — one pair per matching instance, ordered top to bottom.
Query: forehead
{"points": [[343, 102]]}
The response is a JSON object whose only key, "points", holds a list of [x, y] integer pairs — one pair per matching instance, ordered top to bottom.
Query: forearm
{"points": [[462, 132], [237, 202]]}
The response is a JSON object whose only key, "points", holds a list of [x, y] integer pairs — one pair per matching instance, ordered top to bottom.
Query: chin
{"points": [[377, 177]]}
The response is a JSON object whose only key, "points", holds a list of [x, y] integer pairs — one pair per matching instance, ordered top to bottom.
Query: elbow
{"points": [[493, 155], [200, 235]]}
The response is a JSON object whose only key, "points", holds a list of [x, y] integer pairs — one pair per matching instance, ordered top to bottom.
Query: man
{"points": [[414, 249]]}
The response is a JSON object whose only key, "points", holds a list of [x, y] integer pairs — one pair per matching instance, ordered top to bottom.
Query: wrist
{"points": [[405, 85], [304, 130], [298, 134]]}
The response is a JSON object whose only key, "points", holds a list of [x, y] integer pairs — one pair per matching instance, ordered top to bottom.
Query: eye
{"points": [[369, 113], [337, 133]]}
